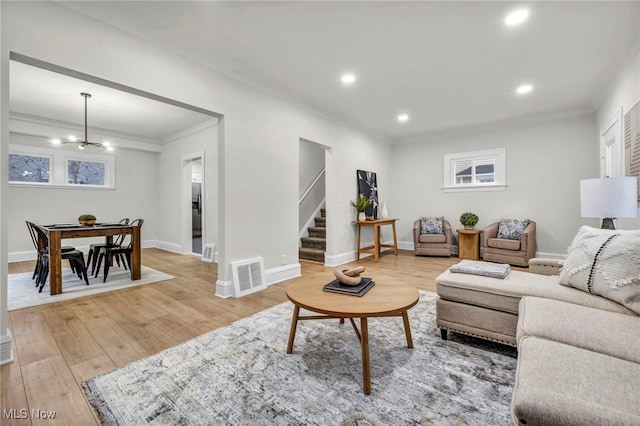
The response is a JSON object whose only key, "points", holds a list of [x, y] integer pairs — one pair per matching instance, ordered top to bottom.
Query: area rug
{"points": [[22, 292], [241, 375]]}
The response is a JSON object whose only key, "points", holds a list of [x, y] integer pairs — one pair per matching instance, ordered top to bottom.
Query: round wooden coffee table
{"points": [[382, 300]]}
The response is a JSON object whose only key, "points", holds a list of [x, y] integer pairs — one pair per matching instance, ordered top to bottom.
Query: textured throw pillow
{"points": [[431, 225], [511, 229], [607, 263]]}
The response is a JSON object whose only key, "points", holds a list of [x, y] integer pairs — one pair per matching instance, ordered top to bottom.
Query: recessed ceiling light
{"points": [[516, 17], [348, 78], [524, 89], [403, 117], [55, 141]]}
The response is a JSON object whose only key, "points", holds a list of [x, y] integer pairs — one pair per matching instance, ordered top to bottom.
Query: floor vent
{"points": [[208, 253], [248, 276]]}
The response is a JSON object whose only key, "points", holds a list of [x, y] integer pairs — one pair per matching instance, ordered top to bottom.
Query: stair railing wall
{"points": [[310, 202]]}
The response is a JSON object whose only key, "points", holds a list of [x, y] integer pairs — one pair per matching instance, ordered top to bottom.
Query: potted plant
{"points": [[361, 205], [87, 220], [469, 220]]}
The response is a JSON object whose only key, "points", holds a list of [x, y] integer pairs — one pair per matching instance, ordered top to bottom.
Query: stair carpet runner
{"points": [[314, 246]]}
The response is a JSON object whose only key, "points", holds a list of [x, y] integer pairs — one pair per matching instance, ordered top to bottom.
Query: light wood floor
{"points": [[57, 346]]}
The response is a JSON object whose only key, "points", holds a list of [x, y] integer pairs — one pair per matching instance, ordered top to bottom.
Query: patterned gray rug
{"points": [[241, 375]]}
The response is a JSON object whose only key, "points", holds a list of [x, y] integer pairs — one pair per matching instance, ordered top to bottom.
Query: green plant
{"points": [[361, 203], [84, 217], [469, 219]]}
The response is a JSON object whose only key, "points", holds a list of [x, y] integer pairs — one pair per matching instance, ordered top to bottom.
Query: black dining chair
{"points": [[94, 249], [122, 252], [75, 258], [40, 260]]}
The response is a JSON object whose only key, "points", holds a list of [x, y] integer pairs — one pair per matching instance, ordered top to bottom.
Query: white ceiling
{"points": [[447, 64], [39, 93]]}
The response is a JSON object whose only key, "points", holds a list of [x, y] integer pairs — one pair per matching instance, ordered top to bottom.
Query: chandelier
{"points": [[82, 144]]}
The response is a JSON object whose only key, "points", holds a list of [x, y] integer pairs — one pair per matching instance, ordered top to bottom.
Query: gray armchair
{"points": [[432, 244], [514, 252]]}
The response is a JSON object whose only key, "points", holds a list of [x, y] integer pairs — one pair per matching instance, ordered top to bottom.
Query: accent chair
{"points": [[432, 244], [497, 248]]}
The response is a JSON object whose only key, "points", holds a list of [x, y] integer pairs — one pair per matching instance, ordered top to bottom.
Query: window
{"points": [[30, 165], [28, 168], [475, 171]]}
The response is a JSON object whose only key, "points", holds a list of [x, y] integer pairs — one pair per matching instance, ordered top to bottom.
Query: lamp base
{"points": [[607, 223]]}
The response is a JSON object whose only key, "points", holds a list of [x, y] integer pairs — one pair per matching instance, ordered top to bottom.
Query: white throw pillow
{"points": [[607, 263]]}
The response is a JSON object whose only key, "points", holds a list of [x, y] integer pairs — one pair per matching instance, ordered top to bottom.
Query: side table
{"points": [[469, 244]]}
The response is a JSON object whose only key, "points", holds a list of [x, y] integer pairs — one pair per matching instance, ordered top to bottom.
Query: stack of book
{"points": [[336, 286]]}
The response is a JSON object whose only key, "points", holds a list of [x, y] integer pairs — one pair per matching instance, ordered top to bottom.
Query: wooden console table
{"points": [[469, 244], [375, 248]]}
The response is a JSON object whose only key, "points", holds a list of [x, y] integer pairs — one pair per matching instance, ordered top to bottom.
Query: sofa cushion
{"points": [[431, 225], [511, 229], [432, 238], [503, 244], [606, 263], [505, 294], [596, 330], [558, 384]]}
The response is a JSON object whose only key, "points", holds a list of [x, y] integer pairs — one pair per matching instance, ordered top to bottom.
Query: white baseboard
{"points": [[172, 247], [282, 273], [224, 289], [6, 356]]}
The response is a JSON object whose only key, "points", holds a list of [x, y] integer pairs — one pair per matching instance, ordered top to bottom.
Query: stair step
{"points": [[323, 213], [320, 222], [318, 232], [314, 242], [315, 255]]}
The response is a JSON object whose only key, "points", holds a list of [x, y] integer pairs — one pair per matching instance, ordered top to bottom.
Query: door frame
{"points": [[611, 147], [187, 222]]}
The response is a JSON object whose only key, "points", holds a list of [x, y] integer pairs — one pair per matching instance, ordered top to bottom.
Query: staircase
{"points": [[314, 246]]}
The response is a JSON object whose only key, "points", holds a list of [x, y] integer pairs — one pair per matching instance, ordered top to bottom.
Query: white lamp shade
{"points": [[609, 197]]}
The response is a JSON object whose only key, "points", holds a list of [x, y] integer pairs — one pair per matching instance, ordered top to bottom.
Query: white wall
{"points": [[624, 93], [259, 150], [545, 162], [170, 184], [136, 195]]}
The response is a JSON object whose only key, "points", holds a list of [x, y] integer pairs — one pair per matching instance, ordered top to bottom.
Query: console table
{"points": [[469, 244], [375, 248]]}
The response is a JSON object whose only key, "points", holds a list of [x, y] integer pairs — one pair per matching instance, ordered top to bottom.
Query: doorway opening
{"points": [[193, 203]]}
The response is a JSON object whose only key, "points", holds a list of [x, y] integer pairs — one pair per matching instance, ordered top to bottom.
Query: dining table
{"points": [[56, 233]]}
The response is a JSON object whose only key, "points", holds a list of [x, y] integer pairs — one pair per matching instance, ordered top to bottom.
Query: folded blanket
{"points": [[493, 270]]}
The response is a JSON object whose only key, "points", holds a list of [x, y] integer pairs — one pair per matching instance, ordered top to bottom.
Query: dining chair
{"points": [[94, 249], [42, 250], [122, 252], [75, 258]]}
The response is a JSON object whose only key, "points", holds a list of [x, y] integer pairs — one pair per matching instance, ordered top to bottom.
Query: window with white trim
{"points": [[30, 165], [475, 171]]}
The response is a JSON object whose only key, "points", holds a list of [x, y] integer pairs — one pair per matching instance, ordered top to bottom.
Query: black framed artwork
{"points": [[368, 187]]}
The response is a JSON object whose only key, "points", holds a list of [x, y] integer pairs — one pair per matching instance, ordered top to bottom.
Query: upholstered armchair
{"points": [[432, 244], [509, 250]]}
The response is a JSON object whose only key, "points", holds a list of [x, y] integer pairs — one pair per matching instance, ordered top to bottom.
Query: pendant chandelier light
{"points": [[82, 144]]}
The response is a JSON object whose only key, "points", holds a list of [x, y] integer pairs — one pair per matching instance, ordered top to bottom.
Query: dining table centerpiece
{"points": [[87, 220]]}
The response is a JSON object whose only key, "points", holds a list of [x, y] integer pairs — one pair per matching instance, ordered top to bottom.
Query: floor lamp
{"points": [[609, 198]]}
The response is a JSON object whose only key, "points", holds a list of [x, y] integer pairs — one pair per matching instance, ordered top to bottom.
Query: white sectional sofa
{"points": [[577, 331]]}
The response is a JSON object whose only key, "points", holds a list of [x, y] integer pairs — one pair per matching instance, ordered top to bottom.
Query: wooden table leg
{"points": [[395, 239], [376, 243], [358, 246], [136, 256], [55, 263], [407, 329], [292, 331], [366, 364]]}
